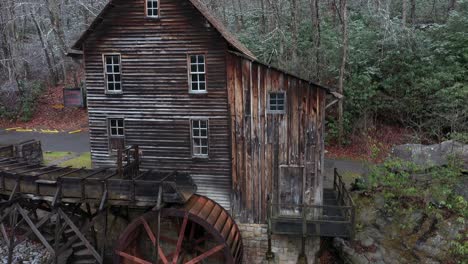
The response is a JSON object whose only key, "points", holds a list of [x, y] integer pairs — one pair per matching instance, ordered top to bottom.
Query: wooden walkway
{"points": [[335, 218]]}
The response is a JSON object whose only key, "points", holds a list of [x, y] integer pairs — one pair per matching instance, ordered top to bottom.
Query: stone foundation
{"points": [[286, 249]]}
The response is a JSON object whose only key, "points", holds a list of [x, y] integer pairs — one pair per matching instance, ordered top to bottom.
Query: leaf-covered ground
{"points": [[50, 114]]}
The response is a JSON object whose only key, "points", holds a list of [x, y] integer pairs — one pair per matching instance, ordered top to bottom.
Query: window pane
{"points": [[108, 59], [193, 59], [201, 59], [109, 68], [116, 68], [193, 68], [201, 68], [202, 77], [110, 78], [117, 78], [117, 87], [202, 87], [280, 96], [203, 124], [113, 131], [120, 132], [204, 133], [204, 151]]}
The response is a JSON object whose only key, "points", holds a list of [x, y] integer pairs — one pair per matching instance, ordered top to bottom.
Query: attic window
{"points": [[152, 8], [277, 102]]}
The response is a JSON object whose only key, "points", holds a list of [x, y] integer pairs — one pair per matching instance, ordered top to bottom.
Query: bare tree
{"points": [[315, 10], [403, 13], [294, 31], [344, 56]]}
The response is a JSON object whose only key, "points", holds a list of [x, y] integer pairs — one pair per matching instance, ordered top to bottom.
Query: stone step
{"points": [[78, 245], [83, 254]]}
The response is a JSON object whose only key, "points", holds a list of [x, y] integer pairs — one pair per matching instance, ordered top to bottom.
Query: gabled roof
{"points": [[229, 37]]}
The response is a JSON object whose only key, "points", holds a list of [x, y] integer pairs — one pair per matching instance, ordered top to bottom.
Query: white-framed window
{"points": [[152, 8], [113, 73], [197, 73], [277, 102], [116, 128], [199, 137]]}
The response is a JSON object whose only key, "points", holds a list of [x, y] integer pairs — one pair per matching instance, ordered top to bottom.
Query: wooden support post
{"points": [[119, 162], [90, 216], [158, 229], [57, 234], [104, 242], [11, 244], [269, 254], [302, 256]]}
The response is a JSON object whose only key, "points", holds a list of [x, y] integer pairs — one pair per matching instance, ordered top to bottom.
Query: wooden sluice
{"points": [[62, 206]]}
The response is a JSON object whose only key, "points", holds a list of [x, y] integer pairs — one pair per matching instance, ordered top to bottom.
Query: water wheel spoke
{"points": [[148, 230], [181, 238], [153, 240], [207, 254], [132, 258]]}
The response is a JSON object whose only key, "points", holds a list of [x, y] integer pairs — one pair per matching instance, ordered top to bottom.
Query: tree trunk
{"points": [[451, 5], [315, 10], [413, 12], [403, 13], [264, 22], [344, 32], [295, 38], [44, 44]]}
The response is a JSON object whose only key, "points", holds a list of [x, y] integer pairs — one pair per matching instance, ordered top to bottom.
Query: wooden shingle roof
{"points": [[228, 36]]}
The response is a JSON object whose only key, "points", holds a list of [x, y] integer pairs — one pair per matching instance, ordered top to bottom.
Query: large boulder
{"points": [[432, 155]]}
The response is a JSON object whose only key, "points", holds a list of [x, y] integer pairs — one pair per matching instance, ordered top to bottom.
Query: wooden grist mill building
{"points": [[166, 76]]}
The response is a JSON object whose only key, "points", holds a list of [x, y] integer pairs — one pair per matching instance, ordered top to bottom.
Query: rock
{"points": [[432, 155], [367, 242], [348, 254]]}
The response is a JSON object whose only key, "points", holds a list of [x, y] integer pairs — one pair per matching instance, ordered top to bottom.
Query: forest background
{"points": [[401, 64]]}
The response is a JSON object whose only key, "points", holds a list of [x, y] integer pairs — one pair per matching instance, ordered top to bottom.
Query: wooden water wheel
{"points": [[200, 231]]}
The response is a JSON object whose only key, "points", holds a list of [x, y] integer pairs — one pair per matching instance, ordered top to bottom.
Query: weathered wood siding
{"points": [[155, 103], [262, 143]]}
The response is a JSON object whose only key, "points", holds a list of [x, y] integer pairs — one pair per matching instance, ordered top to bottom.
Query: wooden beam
{"points": [[35, 230], [80, 235]]}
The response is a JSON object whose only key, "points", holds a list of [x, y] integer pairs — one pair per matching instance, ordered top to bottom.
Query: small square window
{"points": [[152, 8], [277, 102], [116, 127], [200, 138]]}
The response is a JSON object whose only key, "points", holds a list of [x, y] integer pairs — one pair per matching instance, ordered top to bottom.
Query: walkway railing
{"points": [[332, 220]]}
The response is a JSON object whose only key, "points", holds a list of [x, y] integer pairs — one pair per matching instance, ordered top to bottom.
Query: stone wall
{"points": [[29, 151], [286, 249]]}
